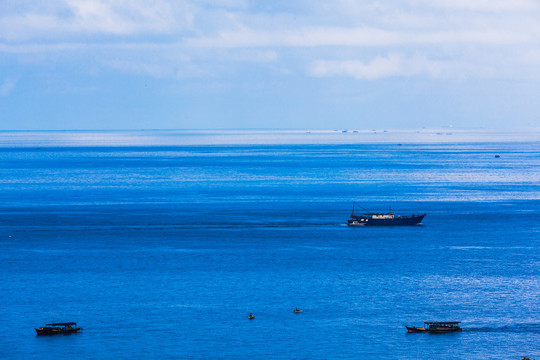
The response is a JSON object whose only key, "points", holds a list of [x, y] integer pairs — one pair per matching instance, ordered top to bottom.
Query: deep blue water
{"points": [[161, 252]]}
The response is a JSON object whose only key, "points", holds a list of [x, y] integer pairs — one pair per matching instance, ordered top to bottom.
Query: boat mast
{"points": [[352, 209]]}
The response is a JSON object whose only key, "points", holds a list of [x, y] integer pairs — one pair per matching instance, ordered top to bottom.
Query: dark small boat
{"points": [[384, 219], [297, 310], [251, 316], [436, 327], [58, 328]]}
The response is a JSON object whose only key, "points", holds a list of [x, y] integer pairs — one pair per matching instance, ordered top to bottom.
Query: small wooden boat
{"points": [[297, 310], [251, 316], [436, 327], [58, 328]]}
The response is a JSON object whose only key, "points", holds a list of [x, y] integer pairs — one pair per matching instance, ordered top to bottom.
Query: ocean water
{"points": [[160, 249]]}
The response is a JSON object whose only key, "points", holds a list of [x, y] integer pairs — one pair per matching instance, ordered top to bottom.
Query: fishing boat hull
{"points": [[415, 329], [444, 330], [55, 331]]}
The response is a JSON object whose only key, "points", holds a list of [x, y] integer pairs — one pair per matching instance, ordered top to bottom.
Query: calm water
{"points": [[162, 251]]}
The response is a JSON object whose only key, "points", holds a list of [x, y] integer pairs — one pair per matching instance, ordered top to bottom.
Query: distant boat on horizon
{"points": [[384, 219], [436, 327], [58, 328]]}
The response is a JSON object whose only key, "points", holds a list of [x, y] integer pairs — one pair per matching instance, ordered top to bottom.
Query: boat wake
{"points": [[518, 328]]}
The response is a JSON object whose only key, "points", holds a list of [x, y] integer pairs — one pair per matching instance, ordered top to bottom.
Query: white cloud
{"points": [[481, 5], [123, 17], [78, 18], [200, 23], [296, 37], [359, 37], [366, 39], [136, 48], [532, 57], [391, 65], [138, 67], [456, 67], [378, 68], [7, 86]]}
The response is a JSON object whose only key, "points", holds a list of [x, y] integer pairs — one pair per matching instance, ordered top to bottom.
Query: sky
{"points": [[246, 64]]}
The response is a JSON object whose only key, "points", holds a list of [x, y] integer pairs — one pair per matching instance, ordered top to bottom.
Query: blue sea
{"points": [[159, 244]]}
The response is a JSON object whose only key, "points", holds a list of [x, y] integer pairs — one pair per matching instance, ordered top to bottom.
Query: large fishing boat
{"points": [[384, 219], [436, 327], [58, 328]]}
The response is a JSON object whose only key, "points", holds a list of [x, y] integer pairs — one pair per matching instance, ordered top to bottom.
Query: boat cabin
{"points": [[382, 216], [441, 323], [66, 326], [442, 326]]}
